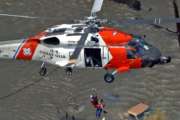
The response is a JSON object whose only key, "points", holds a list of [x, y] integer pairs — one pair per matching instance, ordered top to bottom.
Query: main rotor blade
{"points": [[96, 6], [18, 16], [27, 16], [156, 21], [80, 44]]}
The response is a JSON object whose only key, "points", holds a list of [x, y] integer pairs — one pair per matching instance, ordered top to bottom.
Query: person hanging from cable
{"points": [[97, 104]]}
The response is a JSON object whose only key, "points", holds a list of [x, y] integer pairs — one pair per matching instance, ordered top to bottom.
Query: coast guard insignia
{"points": [[27, 51]]}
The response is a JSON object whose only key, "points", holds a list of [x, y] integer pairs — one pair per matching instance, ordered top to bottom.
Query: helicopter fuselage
{"points": [[107, 48]]}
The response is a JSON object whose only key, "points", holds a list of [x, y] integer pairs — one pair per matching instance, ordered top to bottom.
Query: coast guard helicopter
{"points": [[86, 44]]}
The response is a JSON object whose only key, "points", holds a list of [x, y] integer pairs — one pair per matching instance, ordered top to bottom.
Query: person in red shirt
{"points": [[97, 104], [100, 108]]}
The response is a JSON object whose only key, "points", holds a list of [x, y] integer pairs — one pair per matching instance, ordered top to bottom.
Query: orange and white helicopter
{"points": [[86, 44]]}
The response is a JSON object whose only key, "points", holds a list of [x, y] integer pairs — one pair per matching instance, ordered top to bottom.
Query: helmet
{"points": [[91, 96]]}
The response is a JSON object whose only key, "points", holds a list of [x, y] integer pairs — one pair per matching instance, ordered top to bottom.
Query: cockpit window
{"points": [[52, 41], [138, 42], [140, 46], [131, 54]]}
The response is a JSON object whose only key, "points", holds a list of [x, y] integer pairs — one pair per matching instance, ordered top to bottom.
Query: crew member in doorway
{"points": [[95, 40], [89, 61]]}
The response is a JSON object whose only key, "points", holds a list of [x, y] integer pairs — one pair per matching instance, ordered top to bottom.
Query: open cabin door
{"points": [[92, 57]]}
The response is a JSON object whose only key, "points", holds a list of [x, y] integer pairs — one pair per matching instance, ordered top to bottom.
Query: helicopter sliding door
{"points": [[92, 57]]}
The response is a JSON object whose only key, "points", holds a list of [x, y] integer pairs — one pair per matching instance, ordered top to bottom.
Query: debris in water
{"points": [[134, 4]]}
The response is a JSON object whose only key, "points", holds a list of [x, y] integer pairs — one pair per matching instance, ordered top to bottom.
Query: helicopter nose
{"points": [[153, 56], [152, 62]]}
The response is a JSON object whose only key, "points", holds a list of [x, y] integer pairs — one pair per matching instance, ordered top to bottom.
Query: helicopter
{"points": [[85, 44]]}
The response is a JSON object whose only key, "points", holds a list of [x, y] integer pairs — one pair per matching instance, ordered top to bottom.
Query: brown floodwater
{"points": [[24, 95]]}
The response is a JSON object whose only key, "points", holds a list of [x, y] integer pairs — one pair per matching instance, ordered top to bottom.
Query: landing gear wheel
{"points": [[43, 71], [108, 77]]}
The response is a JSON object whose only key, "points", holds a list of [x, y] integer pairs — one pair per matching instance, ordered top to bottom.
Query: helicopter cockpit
{"points": [[140, 47], [150, 55]]}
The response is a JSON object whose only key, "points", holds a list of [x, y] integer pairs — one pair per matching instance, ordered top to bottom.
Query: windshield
{"points": [[138, 42], [140, 47]]}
